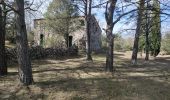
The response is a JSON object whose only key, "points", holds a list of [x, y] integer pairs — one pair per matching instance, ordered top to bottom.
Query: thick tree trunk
{"points": [[109, 19], [138, 30], [147, 35], [88, 42], [147, 47], [109, 52], [3, 64], [25, 70]]}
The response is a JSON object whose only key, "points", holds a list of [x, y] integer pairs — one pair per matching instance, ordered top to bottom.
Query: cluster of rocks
{"points": [[40, 53]]}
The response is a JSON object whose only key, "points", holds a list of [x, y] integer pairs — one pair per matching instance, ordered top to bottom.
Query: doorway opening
{"points": [[41, 39], [70, 41]]}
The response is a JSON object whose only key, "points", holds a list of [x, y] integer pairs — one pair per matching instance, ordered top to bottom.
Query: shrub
{"points": [[55, 41], [166, 43]]}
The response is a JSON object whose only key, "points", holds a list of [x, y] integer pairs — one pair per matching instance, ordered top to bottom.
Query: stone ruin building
{"points": [[78, 37]]}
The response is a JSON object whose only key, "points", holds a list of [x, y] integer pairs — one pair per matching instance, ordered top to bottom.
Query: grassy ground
{"points": [[76, 79]]}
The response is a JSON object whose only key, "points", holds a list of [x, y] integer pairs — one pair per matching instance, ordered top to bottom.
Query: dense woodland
{"points": [[149, 40]]}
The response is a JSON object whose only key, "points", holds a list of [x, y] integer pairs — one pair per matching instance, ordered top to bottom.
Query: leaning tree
{"points": [[138, 31]]}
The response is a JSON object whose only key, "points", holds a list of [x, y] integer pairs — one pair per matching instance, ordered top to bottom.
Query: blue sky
{"points": [[99, 13], [120, 26]]}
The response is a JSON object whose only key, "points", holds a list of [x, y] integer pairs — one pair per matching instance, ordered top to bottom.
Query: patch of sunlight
{"points": [[100, 59], [65, 62], [137, 74], [84, 75], [45, 76], [35, 89], [21, 92], [62, 95], [6, 96]]}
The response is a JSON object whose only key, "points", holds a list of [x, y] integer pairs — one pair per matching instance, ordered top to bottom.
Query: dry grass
{"points": [[76, 79]]}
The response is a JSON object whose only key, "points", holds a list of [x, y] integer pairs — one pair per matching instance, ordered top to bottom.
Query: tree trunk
{"points": [[109, 29], [138, 30], [147, 34], [66, 35], [88, 42], [147, 47], [109, 53], [3, 64], [25, 70]]}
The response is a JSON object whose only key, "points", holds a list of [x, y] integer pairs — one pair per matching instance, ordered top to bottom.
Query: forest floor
{"points": [[77, 79]]}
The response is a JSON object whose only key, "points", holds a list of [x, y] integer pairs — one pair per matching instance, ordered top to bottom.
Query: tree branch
{"points": [[124, 14]]}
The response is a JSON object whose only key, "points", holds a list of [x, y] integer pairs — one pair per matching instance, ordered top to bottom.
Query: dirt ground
{"points": [[77, 79]]}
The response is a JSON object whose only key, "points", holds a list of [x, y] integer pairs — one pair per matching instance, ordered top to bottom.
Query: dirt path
{"points": [[76, 79]]}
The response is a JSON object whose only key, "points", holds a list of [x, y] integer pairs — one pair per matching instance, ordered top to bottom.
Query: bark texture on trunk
{"points": [[88, 18], [109, 19], [138, 30], [147, 34], [88, 44], [147, 47], [109, 53], [3, 64], [25, 70]]}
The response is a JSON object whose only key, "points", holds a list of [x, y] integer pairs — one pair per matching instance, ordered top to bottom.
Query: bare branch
{"points": [[124, 14]]}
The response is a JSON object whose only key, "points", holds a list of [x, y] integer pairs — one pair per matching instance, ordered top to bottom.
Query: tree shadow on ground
{"points": [[77, 79], [147, 83], [110, 88]]}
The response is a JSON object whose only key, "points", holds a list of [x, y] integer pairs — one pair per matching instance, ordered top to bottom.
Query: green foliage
{"points": [[60, 15], [61, 18], [154, 29], [10, 31], [155, 35], [55, 41], [141, 42], [104, 43], [166, 43], [120, 44]]}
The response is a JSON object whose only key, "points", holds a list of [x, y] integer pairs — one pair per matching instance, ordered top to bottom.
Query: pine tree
{"points": [[60, 19], [138, 31], [155, 35]]}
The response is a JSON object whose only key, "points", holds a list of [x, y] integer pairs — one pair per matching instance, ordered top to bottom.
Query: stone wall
{"points": [[79, 36], [41, 53]]}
